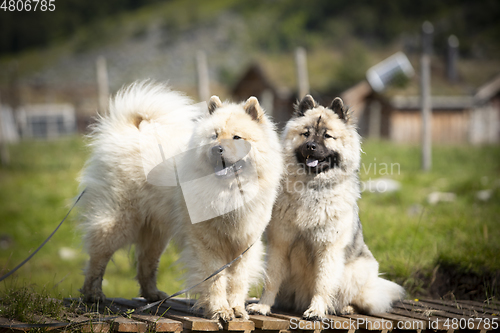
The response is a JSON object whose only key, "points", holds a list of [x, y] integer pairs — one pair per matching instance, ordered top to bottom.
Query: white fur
{"points": [[121, 207], [313, 228]]}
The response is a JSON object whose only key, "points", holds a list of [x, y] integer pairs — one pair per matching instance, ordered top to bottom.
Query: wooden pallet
{"points": [[178, 315]]}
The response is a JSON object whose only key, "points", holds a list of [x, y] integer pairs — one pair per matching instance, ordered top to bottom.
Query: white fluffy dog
{"points": [[160, 169], [317, 259]]}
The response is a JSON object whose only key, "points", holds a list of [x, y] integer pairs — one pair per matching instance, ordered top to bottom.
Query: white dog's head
{"points": [[235, 155]]}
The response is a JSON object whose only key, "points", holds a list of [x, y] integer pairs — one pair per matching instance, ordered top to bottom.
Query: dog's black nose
{"points": [[311, 146], [217, 150]]}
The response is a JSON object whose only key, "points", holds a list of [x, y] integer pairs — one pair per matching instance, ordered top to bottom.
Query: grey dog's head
{"points": [[322, 139]]}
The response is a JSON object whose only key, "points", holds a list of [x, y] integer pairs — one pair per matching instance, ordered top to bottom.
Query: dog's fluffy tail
{"points": [[148, 100], [141, 117], [378, 295]]}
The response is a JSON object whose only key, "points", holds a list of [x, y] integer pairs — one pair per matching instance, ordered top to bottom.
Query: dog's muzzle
{"points": [[224, 168]]}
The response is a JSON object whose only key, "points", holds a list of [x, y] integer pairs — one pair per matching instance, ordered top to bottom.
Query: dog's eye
{"points": [[306, 134], [215, 136], [328, 136], [236, 137]]}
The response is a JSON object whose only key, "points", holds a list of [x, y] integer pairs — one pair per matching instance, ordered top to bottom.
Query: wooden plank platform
{"points": [[178, 315]]}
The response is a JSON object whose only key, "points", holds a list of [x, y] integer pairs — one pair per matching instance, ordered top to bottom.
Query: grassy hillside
{"points": [[159, 40], [416, 243]]}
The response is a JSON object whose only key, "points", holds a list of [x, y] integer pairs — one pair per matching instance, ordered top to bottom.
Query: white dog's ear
{"points": [[307, 103], [213, 104], [338, 107], [253, 108]]}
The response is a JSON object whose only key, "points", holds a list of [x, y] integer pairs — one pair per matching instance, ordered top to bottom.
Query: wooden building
{"points": [[277, 101], [471, 118], [450, 119], [485, 121]]}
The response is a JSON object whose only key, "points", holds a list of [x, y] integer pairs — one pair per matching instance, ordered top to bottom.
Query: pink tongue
{"points": [[311, 163]]}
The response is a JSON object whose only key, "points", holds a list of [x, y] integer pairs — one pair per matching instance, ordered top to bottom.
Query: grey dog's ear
{"points": [[307, 103], [213, 104], [338, 107], [253, 108]]}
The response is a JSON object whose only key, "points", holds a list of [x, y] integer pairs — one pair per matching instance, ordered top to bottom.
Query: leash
{"points": [[45, 242], [183, 291]]}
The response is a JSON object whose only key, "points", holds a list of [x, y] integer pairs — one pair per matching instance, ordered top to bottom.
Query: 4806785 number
{"points": [[28, 5], [471, 323]]}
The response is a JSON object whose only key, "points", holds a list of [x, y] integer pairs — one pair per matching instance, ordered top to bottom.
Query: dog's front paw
{"points": [[154, 295], [93, 296], [261, 309], [348, 309], [240, 312], [224, 314], [313, 314]]}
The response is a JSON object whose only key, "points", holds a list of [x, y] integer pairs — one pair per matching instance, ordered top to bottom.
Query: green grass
{"points": [[40, 185], [409, 236], [26, 303]]}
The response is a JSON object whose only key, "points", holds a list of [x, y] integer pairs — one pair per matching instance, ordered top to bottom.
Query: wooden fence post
{"points": [[202, 74], [302, 76], [102, 84], [425, 95], [375, 120], [4, 148]]}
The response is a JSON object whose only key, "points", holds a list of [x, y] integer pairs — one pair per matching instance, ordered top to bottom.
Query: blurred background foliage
{"points": [[292, 22]]}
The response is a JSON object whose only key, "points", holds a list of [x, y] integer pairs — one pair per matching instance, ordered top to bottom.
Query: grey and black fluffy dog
{"points": [[317, 259]]}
